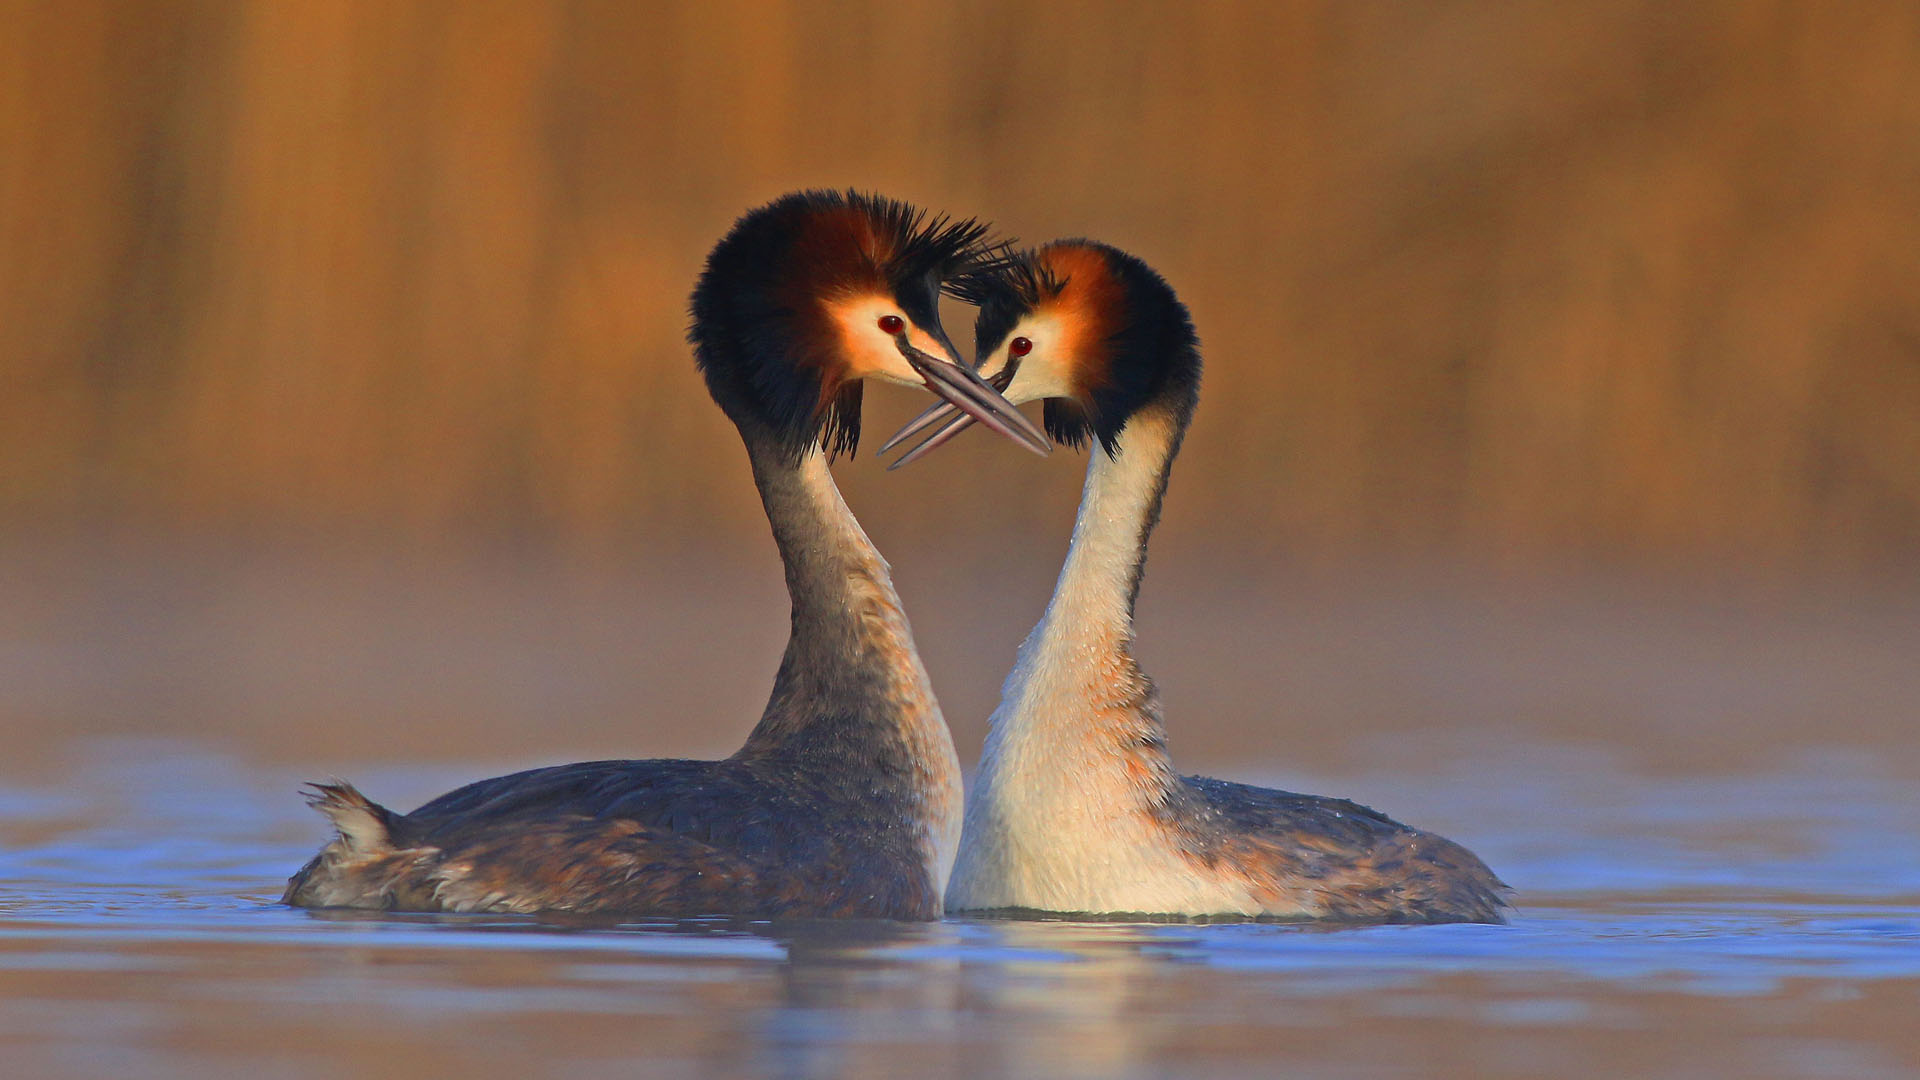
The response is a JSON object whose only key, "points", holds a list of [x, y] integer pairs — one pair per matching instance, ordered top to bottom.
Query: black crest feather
{"points": [[1002, 272], [759, 327], [1151, 351]]}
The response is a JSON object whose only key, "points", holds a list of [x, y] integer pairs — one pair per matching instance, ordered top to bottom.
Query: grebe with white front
{"points": [[1076, 806]]}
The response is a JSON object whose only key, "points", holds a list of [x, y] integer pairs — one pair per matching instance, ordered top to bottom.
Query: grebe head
{"points": [[818, 290], [1092, 331]]}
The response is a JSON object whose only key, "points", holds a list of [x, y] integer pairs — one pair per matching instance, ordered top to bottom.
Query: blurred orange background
{"points": [[1606, 278], [1502, 286]]}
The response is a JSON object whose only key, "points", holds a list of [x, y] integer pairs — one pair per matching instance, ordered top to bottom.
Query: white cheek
{"points": [[871, 352], [881, 359], [1044, 372], [1038, 378]]}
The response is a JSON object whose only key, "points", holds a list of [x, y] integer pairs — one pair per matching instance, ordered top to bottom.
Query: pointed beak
{"points": [[970, 398], [949, 420], [957, 422]]}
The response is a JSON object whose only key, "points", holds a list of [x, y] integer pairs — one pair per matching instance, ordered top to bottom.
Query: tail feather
{"points": [[365, 826], [365, 866]]}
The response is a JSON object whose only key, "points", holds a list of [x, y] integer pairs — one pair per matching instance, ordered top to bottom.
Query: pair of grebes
{"points": [[846, 800]]}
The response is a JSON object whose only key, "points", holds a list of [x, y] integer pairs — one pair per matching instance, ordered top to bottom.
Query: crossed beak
{"points": [[965, 398], [951, 420]]}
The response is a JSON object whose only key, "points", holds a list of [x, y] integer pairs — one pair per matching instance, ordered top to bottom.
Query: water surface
{"points": [[1703, 799], [1754, 925]]}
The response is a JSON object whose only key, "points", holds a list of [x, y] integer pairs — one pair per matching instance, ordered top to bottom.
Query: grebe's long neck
{"points": [[851, 681], [851, 694], [1076, 702]]}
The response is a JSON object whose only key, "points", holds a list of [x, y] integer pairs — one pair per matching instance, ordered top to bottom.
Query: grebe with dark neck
{"points": [[846, 798], [1076, 806]]}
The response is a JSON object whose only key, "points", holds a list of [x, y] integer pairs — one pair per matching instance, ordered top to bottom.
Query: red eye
{"points": [[892, 324], [1019, 346]]}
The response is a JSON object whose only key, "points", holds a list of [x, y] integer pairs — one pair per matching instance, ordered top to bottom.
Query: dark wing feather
{"points": [[637, 837], [1356, 862]]}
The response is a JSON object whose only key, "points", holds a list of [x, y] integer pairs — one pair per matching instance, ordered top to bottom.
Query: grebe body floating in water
{"points": [[846, 798], [1076, 806]]}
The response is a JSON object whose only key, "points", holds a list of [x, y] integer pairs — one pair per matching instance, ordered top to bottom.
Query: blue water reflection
{"points": [[1721, 885]]}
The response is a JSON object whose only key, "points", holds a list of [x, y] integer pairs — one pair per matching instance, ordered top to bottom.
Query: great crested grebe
{"points": [[846, 799], [1076, 806]]}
